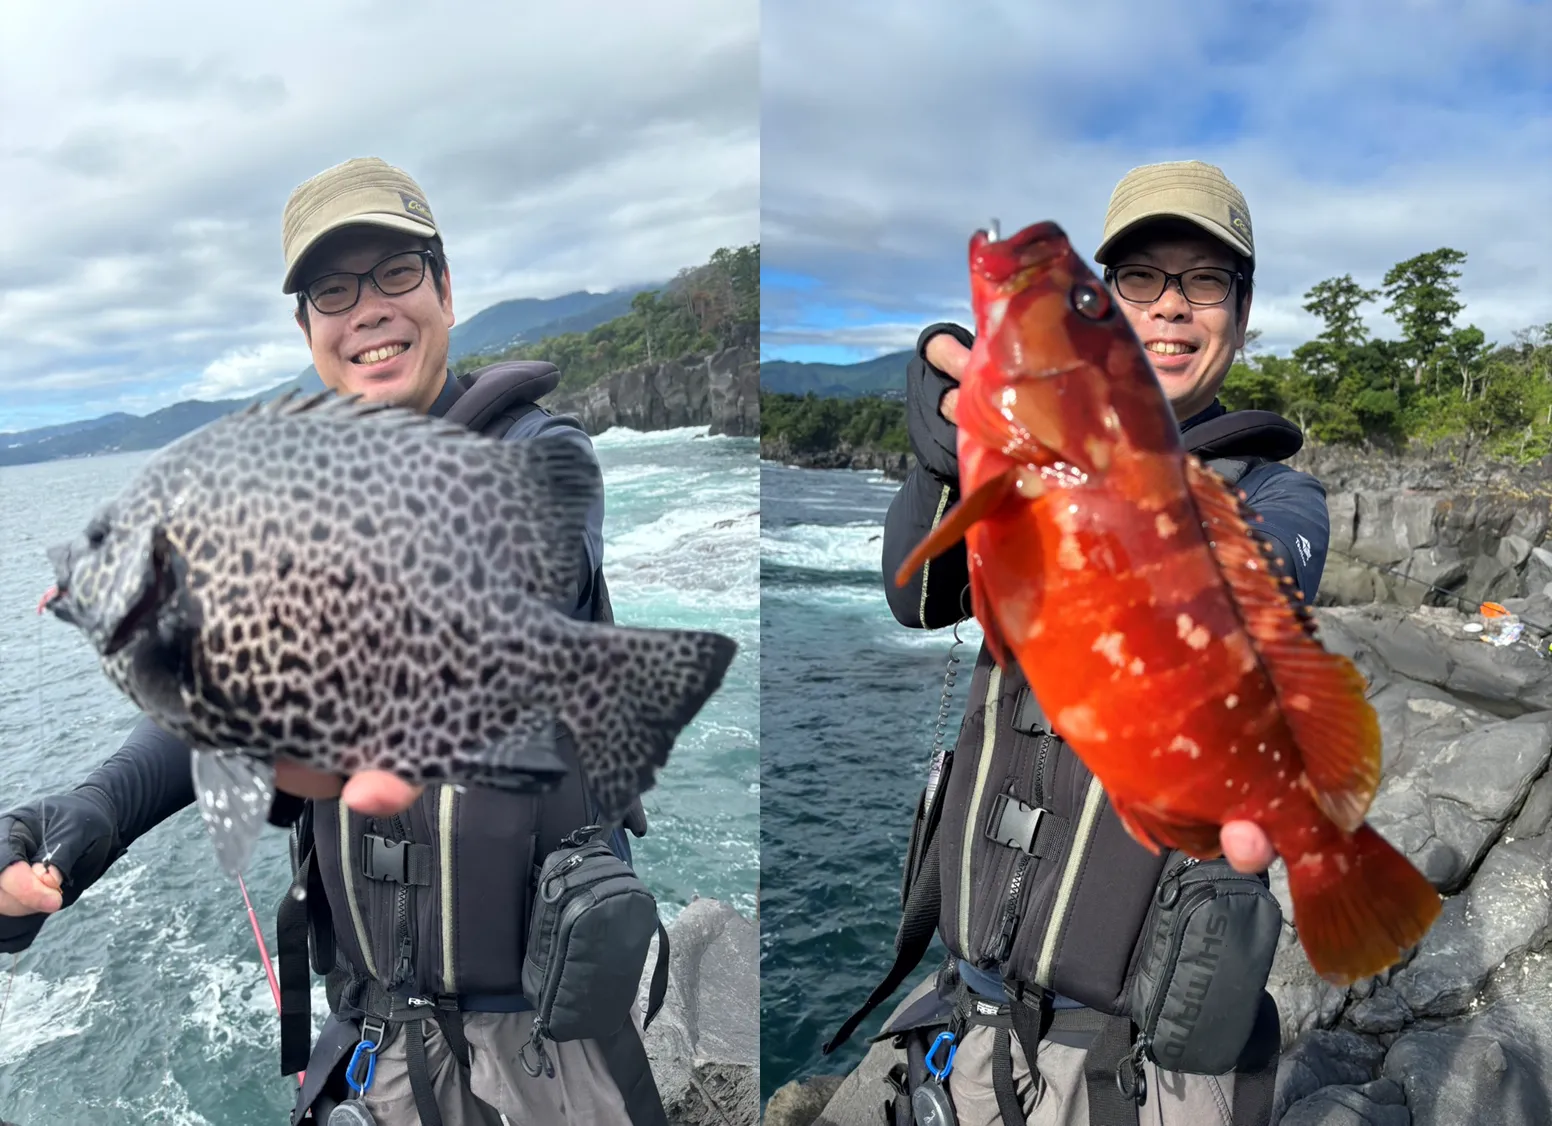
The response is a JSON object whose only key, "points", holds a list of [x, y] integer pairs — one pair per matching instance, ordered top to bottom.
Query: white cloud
{"points": [[1361, 135], [148, 151], [241, 372]]}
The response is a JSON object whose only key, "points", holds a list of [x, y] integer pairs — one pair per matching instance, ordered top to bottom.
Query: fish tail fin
{"points": [[633, 691], [1359, 905]]}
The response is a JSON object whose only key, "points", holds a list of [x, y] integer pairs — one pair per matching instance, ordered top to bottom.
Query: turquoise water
{"points": [[849, 700], [146, 1002]]}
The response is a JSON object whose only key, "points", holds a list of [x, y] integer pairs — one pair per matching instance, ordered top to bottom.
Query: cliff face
{"points": [[720, 390]]}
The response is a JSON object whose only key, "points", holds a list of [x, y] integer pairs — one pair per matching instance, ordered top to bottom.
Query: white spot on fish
{"points": [[994, 314], [1111, 420], [1164, 526], [1069, 555], [1183, 625], [1198, 638], [1110, 645], [1136, 667], [1231, 701], [1299, 702], [1079, 722], [1186, 745], [1261, 747], [1277, 756], [1245, 789], [1274, 803], [1341, 861]]}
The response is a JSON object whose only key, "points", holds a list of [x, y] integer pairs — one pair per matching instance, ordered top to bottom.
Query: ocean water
{"points": [[849, 701], [146, 1002]]}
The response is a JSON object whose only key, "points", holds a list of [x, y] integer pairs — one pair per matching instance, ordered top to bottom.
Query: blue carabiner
{"points": [[938, 1073], [361, 1087]]}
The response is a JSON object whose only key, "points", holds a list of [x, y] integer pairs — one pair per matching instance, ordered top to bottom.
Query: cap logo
{"points": [[416, 207], [1238, 221]]}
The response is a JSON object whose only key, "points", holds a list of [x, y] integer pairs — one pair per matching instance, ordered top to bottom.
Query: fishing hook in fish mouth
{"points": [[993, 231]]}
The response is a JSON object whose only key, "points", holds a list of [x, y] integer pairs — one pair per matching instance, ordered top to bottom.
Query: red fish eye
{"points": [[1091, 301]]}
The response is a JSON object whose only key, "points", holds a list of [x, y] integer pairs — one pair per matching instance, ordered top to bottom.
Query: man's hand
{"points": [[950, 357], [372, 793], [1246, 847], [30, 889]]}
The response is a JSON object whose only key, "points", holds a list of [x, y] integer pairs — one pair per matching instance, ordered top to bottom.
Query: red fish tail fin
{"points": [[1359, 905]]}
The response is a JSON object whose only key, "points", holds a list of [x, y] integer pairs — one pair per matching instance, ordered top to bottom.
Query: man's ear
{"points": [[447, 297], [301, 323]]}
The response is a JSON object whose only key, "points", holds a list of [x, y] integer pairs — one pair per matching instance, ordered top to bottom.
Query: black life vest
{"points": [[431, 904], [1071, 921]]}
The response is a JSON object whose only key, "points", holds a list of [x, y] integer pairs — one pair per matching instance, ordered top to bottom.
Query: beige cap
{"points": [[1182, 189], [364, 190]]}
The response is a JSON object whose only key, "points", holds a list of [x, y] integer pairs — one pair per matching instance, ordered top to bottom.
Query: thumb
{"points": [[24, 892]]}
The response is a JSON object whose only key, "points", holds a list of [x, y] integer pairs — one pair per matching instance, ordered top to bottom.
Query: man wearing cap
{"points": [[1178, 254], [423, 958]]}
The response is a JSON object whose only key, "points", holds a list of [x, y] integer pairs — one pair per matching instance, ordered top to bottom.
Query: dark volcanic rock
{"points": [[720, 391]]}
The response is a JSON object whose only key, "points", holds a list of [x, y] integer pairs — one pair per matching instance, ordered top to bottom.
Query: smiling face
{"points": [[1191, 347], [386, 348]]}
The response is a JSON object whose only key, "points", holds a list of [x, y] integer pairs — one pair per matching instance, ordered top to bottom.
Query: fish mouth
{"points": [[1001, 261]]}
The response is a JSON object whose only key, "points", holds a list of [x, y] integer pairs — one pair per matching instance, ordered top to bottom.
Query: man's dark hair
{"points": [[437, 267]]}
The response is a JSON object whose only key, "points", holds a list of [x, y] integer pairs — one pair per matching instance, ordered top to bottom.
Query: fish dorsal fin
{"points": [[329, 405], [1321, 693]]}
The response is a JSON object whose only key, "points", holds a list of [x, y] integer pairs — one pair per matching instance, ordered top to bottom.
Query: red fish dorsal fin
{"points": [[1321, 693]]}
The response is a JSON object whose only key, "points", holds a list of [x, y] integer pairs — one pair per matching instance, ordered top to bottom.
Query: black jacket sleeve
{"points": [[935, 596]]}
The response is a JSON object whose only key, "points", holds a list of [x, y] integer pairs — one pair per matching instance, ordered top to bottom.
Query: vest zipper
{"points": [[983, 768], [1010, 905], [406, 965]]}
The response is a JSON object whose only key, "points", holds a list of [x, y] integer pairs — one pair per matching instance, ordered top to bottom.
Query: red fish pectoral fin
{"points": [[986, 500], [1321, 694], [1152, 828], [1359, 905]]}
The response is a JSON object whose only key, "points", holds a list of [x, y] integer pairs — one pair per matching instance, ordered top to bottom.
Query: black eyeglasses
{"points": [[393, 276], [1204, 285]]}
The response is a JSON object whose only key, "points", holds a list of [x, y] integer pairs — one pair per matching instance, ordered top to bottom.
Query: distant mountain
{"points": [[500, 326], [883, 376]]}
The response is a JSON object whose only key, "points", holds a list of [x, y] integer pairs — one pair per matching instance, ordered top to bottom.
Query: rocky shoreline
{"points": [[720, 390], [893, 466], [1461, 1031]]}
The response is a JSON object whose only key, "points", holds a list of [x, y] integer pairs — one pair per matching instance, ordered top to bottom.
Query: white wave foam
{"points": [[624, 436], [826, 547], [42, 1011]]}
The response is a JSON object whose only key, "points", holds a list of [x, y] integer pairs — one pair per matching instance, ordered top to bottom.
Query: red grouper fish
{"points": [[1161, 643]]}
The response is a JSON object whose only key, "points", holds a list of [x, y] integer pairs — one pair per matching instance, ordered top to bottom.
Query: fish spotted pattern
{"points": [[1124, 579], [354, 586]]}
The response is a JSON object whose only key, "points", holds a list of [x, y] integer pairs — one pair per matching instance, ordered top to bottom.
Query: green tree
{"points": [[1424, 300]]}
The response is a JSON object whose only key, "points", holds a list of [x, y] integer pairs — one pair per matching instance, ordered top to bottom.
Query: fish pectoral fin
{"points": [[983, 502], [1321, 694], [523, 760], [234, 792], [1154, 828]]}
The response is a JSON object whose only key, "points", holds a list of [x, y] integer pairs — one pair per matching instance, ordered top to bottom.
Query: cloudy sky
{"points": [[892, 129], [147, 151]]}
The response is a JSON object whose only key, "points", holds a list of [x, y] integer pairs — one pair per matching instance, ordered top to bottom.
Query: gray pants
{"points": [[500, 1092], [1174, 1099]]}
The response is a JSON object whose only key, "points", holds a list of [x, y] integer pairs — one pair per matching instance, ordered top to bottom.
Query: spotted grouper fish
{"points": [[1123, 577], [354, 586]]}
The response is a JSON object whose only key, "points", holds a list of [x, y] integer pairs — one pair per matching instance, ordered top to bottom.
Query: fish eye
{"points": [[1091, 301], [96, 532]]}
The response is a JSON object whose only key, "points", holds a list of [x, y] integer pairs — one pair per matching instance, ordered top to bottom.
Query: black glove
{"points": [[934, 439], [81, 833]]}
